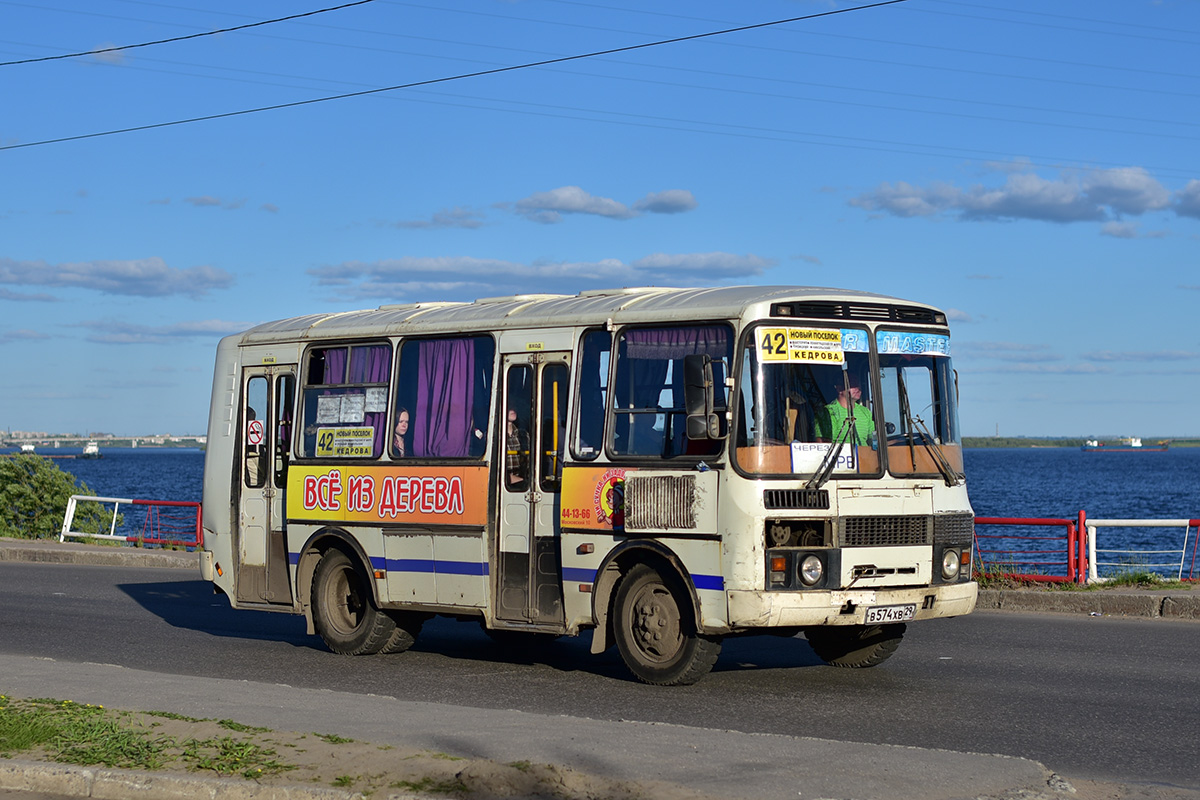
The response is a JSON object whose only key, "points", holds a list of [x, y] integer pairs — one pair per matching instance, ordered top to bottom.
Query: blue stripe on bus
{"points": [[418, 565], [428, 565], [435, 566], [579, 574], [714, 582]]}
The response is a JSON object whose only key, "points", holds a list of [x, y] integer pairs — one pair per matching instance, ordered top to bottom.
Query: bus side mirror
{"points": [[702, 422]]}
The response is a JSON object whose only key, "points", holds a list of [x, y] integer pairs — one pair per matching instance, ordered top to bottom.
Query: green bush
{"points": [[33, 500]]}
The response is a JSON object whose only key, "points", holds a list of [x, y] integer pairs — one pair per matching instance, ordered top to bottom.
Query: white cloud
{"points": [[111, 57], [1094, 196], [1187, 200], [208, 201], [672, 201], [549, 207], [456, 217], [1119, 230], [145, 277], [468, 278], [21, 297], [955, 315], [119, 332], [23, 334], [1007, 351], [1141, 357], [1053, 369]]}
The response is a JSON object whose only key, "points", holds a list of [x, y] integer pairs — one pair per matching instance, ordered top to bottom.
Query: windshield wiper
{"points": [[942, 463], [825, 471]]}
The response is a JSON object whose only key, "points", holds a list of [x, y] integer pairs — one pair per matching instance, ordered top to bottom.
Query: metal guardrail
{"points": [[162, 523], [1074, 555], [1032, 557], [1134, 558]]}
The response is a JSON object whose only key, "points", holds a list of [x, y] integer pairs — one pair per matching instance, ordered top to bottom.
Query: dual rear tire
{"points": [[346, 616], [855, 646]]}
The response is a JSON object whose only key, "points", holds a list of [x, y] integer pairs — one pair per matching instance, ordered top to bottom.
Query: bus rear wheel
{"points": [[344, 610], [656, 633], [855, 646]]}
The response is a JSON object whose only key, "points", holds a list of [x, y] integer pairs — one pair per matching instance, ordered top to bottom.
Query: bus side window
{"points": [[595, 349], [446, 386], [285, 399], [345, 401], [650, 416], [254, 444]]}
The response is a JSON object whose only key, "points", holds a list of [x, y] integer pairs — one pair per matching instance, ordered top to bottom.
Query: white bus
{"points": [[661, 467]]}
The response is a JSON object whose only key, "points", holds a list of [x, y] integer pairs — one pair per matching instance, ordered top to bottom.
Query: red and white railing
{"points": [[162, 523]]}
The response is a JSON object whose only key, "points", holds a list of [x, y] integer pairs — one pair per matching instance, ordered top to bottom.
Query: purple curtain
{"points": [[371, 364], [335, 366], [445, 397]]}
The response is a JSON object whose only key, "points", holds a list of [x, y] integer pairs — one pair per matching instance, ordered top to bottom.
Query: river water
{"points": [[1003, 482]]}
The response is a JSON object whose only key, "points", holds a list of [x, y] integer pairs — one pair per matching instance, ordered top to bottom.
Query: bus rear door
{"points": [[268, 394], [532, 444]]}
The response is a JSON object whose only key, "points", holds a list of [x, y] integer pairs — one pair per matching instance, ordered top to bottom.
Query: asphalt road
{"points": [[1095, 698]]}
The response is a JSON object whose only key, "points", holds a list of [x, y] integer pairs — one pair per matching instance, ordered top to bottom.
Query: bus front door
{"points": [[264, 442], [532, 444]]}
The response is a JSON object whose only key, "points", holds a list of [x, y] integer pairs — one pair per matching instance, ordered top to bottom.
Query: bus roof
{"points": [[621, 306]]}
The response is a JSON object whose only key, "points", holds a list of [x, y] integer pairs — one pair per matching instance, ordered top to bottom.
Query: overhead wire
{"points": [[117, 48], [462, 76]]}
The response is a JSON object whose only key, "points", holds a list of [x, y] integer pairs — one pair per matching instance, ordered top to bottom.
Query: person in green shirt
{"points": [[830, 418]]}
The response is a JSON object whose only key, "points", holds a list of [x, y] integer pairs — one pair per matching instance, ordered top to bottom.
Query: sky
{"points": [[1030, 168]]}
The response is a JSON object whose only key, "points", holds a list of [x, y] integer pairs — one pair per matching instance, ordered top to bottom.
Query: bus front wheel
{"points": [[344, 611], [656, 633], [855, 646]]}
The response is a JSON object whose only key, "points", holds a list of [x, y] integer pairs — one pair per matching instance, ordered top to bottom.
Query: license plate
{"points": [[891, 613]]}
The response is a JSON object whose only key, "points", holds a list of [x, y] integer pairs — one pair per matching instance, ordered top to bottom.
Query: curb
{"points": [[54, 552], [1113, 603], [121, 784]]}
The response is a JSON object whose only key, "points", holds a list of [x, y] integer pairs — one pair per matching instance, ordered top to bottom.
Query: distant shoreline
{"points": [[1025, 441]]}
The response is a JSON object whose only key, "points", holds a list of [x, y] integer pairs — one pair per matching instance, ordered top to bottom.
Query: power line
{"points": [[183, 38], [432, 81]]}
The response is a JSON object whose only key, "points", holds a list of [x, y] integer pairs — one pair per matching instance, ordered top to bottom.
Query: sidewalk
{"points": [[667, 762]]}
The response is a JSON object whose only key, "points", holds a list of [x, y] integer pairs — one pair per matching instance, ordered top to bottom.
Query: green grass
{"points": [[74, 733], [333, 738], [433, 786]]}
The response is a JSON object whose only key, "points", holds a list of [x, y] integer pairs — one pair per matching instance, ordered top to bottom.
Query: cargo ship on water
{"points": [[1129, 445]]}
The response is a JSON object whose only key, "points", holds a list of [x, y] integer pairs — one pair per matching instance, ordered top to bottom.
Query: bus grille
{"points": [[775, 499], [661, 501], [953, 529], [884, 531]]}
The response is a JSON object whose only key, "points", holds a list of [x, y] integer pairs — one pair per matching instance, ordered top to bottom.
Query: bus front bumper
{"points": [[759, 609]]}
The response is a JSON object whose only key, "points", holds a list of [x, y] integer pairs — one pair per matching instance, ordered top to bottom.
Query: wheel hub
{"points": [[656, 625]]}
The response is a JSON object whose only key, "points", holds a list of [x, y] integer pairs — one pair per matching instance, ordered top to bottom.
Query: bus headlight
{"points": [[950, 564], [811, 570]]}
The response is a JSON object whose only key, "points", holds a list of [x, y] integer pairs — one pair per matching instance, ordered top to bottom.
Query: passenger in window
{"points": [[831, 418], [398, 436], [517, 446]]}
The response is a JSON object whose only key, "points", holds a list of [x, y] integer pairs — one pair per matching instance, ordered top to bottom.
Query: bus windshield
{"points": [[804, 393], [919, 404]]}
